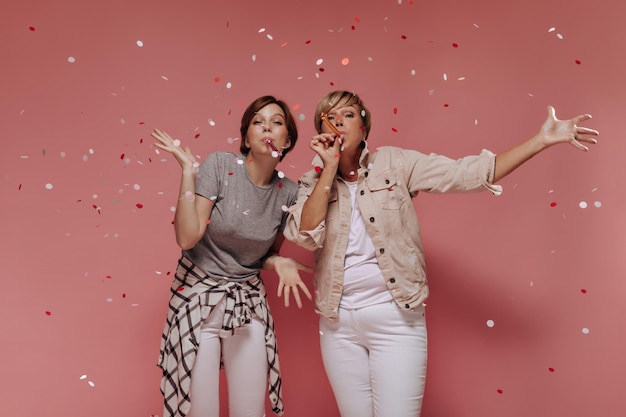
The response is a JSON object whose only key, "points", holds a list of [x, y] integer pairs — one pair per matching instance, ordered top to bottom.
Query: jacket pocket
{"points": [[384, 189]]}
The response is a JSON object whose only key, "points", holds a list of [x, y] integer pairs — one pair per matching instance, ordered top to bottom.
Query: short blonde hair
{"points": [[344, 99]]}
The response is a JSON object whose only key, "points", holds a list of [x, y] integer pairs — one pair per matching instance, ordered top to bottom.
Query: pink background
{"points": [[87, 244]]}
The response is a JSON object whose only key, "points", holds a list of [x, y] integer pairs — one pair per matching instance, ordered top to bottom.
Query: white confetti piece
{"points": [[261, 30], [551, 30], [558, 35], [270, 37], [140, 44], [254, 58], [71, 59], [319, 61], [445, 76], [164, 77], [229, 85], [176, 142], [62, 154], [240, 161], [281, 174], [49, 186], [582, 204], [597, 204], [284, 208], [109, 300], [490, 323], [585, 330], [83, 376], [91, 384]]}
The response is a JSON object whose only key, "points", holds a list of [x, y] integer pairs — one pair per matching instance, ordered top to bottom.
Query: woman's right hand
{"points": [[165, 142], [328, 147]]}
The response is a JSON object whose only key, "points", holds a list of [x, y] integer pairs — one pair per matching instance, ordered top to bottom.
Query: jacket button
{"points": [[365, 173], [386, 181], [362, 192], [372, 219], [382, 250], [392, 280], [407, 306]]}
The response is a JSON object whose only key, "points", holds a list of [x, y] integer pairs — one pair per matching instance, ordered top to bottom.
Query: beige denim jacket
{"points": [[388, 180]]}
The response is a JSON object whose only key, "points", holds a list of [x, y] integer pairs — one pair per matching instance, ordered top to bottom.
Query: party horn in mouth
{"points": [[329, 124]]}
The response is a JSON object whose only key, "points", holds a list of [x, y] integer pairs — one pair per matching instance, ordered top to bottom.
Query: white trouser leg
{"points": [[375, 359], [245, 364]]}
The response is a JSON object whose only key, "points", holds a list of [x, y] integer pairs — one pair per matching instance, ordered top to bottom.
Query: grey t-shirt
{"points": [[245, 219]]}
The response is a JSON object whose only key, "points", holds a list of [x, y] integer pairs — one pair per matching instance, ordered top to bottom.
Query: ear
{"points": [[246, 142], [287, 143]]}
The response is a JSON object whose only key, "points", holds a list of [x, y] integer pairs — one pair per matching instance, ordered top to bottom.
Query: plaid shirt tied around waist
{"points": [[194, 295]]}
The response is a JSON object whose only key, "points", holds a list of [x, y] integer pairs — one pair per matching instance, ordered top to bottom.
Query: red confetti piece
{"points": [[357, 20], [353, 27], [32, 28], [403, 36], [307, 42], [455, 45], [578, 62], [322, 69], [216, 79], [446, 105], [395, 110], [141, 123], [394, 130], [197, 135], [140, 140], [122, 156], [318, 169], [231, 174], [280, 185], [20, 187], [553, 204], [139, 205], [109, 276], [180, 288], [584, 291], [124, 295], [48, 313], [551, 369], [500, 391]]}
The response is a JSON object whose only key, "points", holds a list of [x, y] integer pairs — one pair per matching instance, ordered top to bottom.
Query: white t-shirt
{"points": [[363, 283]]}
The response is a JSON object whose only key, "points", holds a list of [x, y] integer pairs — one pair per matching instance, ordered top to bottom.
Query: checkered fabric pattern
{"points": [[194, 295]]}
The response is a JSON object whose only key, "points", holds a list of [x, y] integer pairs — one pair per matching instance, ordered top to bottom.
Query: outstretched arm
{"points": [[552, 132], [192, 211]]}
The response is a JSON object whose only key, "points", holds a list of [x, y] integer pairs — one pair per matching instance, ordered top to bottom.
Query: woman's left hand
{"points": [[556, 131], [289, 279]]}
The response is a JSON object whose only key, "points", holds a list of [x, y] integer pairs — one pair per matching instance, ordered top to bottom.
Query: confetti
{"points": [[140, 44], [71, 59], [49, 186], [490, 323], [585, 330]]}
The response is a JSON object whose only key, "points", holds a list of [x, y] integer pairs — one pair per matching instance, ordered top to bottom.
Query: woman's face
{"points": [[348, 121], [267, 133]]}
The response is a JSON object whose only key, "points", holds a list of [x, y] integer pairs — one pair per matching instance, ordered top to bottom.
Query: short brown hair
{"points": [[343, 98], [253, 108]]}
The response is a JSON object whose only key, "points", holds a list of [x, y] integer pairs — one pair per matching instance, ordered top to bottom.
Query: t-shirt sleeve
{"points": [[209, 178]]}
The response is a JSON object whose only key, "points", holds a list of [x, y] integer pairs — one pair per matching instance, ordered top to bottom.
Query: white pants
{"points": [[375, 360], [245, 364]]}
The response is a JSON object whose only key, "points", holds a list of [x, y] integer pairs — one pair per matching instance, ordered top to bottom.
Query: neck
{"points": [[349, 167], [260, 171]]}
